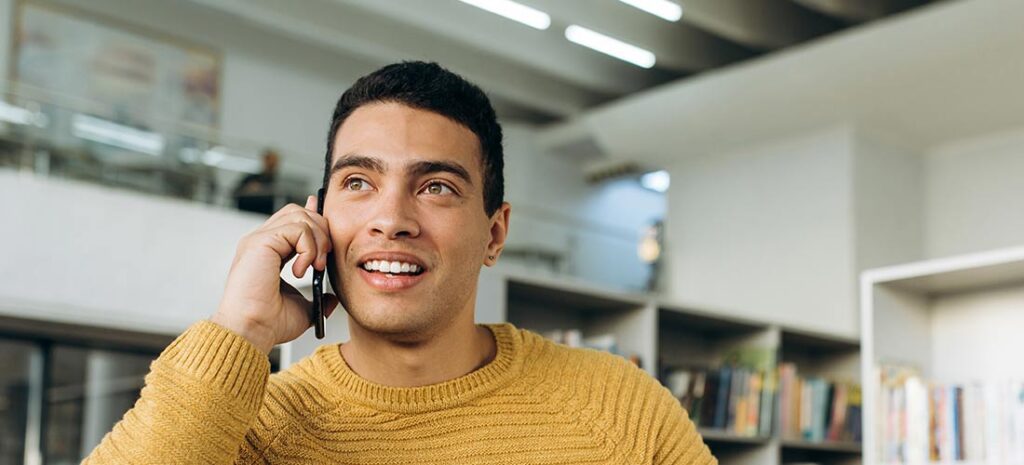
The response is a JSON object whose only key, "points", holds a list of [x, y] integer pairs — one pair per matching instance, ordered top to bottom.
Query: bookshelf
{"points": [[547, 304], [951, 321], [664, 333], [692, 338], [835, 359]]}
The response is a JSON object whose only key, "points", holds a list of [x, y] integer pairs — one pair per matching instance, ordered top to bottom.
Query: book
{"points": [[733, 399], [722, 400], [814, 409], [922, 421]]}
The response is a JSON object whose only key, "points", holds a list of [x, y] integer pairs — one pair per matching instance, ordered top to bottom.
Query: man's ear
{"points": [[499, 232]]}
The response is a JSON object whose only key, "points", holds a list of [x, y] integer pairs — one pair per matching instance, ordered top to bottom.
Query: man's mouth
{"points": [[392, 268], [391, 276]]}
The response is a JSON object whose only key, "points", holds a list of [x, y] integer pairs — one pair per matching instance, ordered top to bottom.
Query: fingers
{"points": [[289, 212], [307, 233], [291, 239], [307, 246]]}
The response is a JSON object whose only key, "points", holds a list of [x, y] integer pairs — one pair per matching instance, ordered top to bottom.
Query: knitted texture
{"points": [[209, 399]]}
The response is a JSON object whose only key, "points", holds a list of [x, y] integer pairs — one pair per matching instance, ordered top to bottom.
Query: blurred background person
{"points": [[257, 192]]}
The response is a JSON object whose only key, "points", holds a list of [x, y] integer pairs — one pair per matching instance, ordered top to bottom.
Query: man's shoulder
{"points": [[581, 364], [303, 391]]}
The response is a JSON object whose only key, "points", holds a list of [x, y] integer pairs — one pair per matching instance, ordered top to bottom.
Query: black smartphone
{"points": [[318, 280]]}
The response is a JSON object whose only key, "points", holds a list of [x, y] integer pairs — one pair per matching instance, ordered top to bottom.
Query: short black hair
{"points": [[428, 86]]}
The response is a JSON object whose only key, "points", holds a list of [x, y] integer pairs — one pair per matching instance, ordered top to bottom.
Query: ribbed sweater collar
{"points": [[498, 372]]}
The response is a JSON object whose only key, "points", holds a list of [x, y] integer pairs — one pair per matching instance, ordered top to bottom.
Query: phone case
{"points": [[318, 281]]}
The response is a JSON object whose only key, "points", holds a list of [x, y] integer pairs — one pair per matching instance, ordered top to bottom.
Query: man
{"points": [[255, 192], [414, 208]]}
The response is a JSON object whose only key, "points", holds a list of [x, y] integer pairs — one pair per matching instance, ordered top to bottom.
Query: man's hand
{"points": [[257, 303]]}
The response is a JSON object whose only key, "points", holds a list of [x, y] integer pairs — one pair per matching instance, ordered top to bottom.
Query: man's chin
{"points": [[393, 321]]}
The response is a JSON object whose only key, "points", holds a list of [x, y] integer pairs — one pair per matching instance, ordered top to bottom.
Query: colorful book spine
{"points": [[816, 409], [921, 422]]}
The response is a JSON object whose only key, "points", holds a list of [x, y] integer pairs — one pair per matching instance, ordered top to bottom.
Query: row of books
{"points": [[731, 398], [816, 410], [922, 422]]}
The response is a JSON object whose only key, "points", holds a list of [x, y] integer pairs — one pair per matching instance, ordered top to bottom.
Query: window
{"points": [[16, 379], [63, 387], [89, 390]]}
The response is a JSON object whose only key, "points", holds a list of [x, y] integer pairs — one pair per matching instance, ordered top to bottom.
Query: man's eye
{"points": [[356, 184], [438, 188]]}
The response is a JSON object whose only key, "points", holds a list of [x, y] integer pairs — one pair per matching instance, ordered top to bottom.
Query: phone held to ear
{"points": [[318, 280]]}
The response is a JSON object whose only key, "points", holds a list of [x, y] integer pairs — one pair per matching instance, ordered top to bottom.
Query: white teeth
{"points": [[391, 267]]}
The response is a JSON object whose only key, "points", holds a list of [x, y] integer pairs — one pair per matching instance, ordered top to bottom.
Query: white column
{"points": [[101, 373]]}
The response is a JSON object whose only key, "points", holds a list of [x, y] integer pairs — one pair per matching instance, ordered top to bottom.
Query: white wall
{"points": [[974, 193], [888, 203], [596, 226], [781, 231], [767, 232], [92, 255], [976, 335]]}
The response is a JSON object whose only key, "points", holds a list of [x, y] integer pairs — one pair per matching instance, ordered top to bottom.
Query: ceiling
{"points": [[950, 72], [537, 75]]}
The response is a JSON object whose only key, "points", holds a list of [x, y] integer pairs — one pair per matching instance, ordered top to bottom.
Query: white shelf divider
{"points": [[907, 309]]}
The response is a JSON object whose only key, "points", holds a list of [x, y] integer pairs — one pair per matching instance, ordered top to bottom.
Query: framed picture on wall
{"points": [[114, 71]]}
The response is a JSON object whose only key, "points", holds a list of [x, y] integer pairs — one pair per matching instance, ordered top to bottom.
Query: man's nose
{"points": [[395, 216]]}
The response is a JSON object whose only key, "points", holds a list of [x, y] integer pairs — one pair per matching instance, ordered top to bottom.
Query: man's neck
{"points": [[457, 350]]}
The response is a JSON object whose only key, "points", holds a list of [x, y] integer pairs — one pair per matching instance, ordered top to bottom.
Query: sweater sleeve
{"points": [[200, 398], [677, 441]]}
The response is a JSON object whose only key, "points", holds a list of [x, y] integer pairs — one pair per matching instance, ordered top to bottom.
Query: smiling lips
{"points": [[384, 266], [390, 272]]}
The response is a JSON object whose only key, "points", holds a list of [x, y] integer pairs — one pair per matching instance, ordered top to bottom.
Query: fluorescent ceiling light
{"points": [[663, 9], [515, 11], [610, 46], [118, 135], [657, 181]]}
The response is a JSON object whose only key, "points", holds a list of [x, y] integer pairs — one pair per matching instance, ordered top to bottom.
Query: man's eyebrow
{"points": [[358, 161], [422, 168]]}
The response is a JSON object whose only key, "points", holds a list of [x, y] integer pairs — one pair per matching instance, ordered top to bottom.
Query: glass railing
{"points": [[60, 136], [65, 137]]}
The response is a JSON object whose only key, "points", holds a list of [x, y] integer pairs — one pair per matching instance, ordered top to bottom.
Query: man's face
{"points": [[406, 201]]}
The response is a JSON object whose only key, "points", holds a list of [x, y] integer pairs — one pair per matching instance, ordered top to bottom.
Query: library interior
{"points": [[801, 220]]}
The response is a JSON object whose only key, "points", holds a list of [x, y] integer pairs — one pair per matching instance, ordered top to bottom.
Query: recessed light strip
{"points": [[663, 9], [515, 11], [610, 46]]}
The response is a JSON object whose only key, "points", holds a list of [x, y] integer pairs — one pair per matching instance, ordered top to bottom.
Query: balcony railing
{"points": [[56, 135]]}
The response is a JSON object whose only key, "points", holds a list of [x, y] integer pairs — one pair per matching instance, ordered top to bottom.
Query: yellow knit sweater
{"points": [[209, 399]]}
